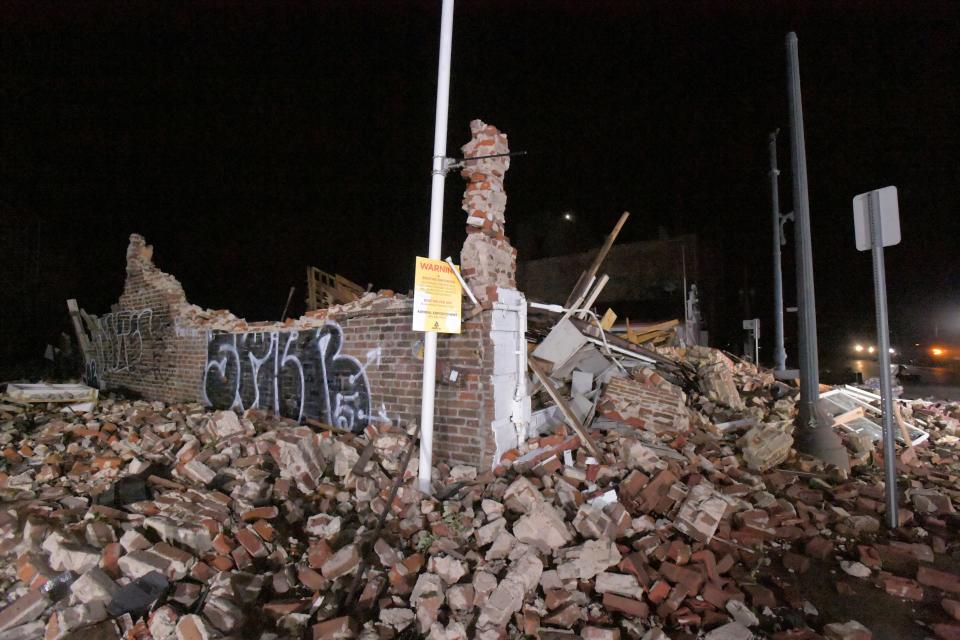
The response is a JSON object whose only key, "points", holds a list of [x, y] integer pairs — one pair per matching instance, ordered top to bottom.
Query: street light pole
{"points": [[440, 168], [779, 353], [814, 436]]}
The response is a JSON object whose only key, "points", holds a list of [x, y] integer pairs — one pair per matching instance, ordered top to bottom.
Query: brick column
{"points": [[487, 259]]}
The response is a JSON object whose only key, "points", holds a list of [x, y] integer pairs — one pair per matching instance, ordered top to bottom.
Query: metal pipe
{"points": [[436, 230], [463, 283], [286, 306], [883, 344], [779, 353], [814, 436]]}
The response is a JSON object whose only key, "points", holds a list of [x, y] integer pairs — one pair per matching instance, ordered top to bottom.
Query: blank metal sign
{"points": [[889, 218]]}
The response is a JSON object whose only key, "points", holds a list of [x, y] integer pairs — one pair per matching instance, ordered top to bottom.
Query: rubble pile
{"points": [[145, 520]]}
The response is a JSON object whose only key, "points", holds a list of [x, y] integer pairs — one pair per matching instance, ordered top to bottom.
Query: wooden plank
{"points": [[584, 282], [601, 283], [311, 290], [325, 290], [347, 290], [608, 319], [651, 327], [589, 329], [651, 336], [82, 341], [568, 413], [844, 418], [324, 426], [904, 433], [360, 468]]}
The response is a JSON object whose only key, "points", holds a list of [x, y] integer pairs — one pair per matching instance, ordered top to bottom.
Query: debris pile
{"points": [[667, 504]]}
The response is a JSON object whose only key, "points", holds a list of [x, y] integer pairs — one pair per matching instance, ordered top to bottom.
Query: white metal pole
{"points": [[436, 230]]}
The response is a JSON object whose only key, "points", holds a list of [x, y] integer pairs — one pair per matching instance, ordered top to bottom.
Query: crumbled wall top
{"points": [[145, 278]]}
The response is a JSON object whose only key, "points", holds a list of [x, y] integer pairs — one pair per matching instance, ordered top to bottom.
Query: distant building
{"points": [[646, 278]]}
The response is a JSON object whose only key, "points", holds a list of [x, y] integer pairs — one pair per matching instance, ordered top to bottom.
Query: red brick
{"points": [[818, 547], [938, 579], [902, 588], [628, 606], [952, 607], [947, 631]]}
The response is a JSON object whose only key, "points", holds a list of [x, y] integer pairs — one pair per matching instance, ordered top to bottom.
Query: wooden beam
{"points": [[587, 276], [601, 283], [606, 322], [651, 327], [82, 341], [568, 413], [324, 426], [904, 432]]}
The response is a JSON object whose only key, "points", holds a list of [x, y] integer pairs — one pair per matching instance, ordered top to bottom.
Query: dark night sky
{"points": [[247, 140]]}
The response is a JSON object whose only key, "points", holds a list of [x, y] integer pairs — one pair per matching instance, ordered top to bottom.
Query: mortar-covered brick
{"points": [[645, 405]]}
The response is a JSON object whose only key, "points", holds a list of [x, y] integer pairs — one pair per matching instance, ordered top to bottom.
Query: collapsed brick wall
{"points": [[136, 345], [345, 367], [361, 367]]}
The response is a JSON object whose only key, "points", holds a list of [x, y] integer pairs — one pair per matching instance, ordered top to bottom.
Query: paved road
{"points": [[939, 383]]}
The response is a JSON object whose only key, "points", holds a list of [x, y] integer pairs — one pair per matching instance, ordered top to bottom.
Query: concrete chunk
{"points": [[542, 527], [94, 586], [25, 609]]}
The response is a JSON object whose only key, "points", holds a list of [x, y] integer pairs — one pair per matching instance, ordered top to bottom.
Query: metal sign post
{"points": [[876, 217], [753, 326]]}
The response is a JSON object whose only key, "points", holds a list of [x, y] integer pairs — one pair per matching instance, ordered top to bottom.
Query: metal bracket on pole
{"points": [[453, 163], [445, 165], [787, 217]]}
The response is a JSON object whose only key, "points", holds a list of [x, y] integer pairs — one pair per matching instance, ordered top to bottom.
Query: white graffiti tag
{"points": [[118, 338], [299, 374]]}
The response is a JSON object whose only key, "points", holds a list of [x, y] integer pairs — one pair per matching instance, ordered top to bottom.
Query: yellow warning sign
{"points": [[436, 297]]}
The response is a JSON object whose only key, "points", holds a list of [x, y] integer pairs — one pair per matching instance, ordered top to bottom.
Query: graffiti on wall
{"points": [[117, 340], [297, 374]]}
